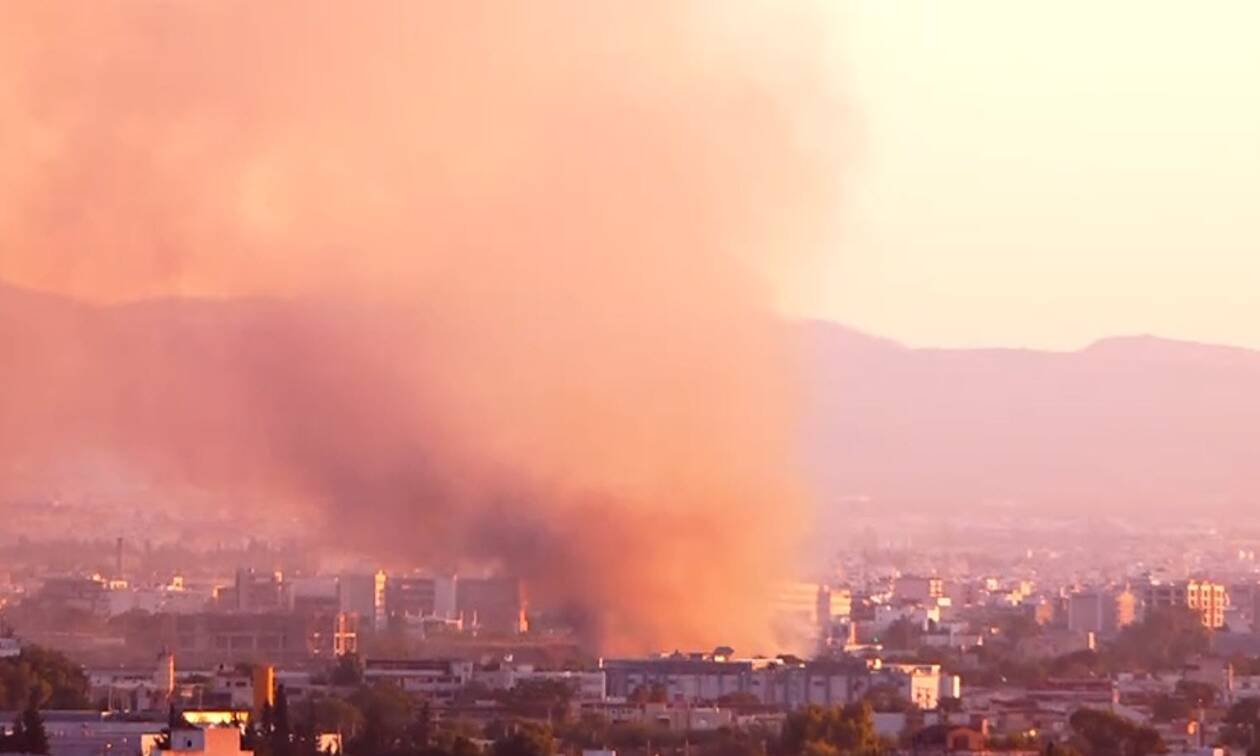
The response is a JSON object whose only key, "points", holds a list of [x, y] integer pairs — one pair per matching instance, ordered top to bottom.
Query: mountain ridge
{"points": [[1126, 424]]}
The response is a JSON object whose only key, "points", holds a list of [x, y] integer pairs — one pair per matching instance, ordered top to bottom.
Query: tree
{"points": [[1019, 627], [902, 635], [1165, 639], [347, 671], [56, 681], [654, 693], [1196, 693], [887, 698], [538, 699], [739, 700], [1168, 708], [387, 712], [334, 714], [1241, 723], [814, 729], [420, 731], [28, 734], [1105, 734], [36, 737], [280, 739], [526, 739], [15, 741], [728, 742], [819, 748]]}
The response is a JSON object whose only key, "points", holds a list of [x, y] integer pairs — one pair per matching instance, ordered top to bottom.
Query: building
{"points": [[922, 589], [253, 592], [86, 594], [364, 596], [411, 596], [1206, 598], [495, 605], [1120, 611], [1085, 612], [1102, 612], [217, 638], [683, 677], [702, 678], [439, 679], [920, 684], [586, 685], [1094, 692], [672, 717], [90, 733], [946, 738], [202, 741]]}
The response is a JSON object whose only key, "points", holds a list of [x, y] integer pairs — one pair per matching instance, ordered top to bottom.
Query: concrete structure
{"points": [[915, 588], [252, 592], [87, 594], [364, 596], [410, 596], [1206, 598], [495, 605], [1102, 612], [210, 639], [164, 675], [695, 677], [433, 678], [698, 678], [918, 683], [586, 685], [91, 733], [204, 741]]}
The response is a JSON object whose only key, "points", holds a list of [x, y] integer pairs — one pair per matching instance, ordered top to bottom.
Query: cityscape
{"points": [[652, 378], [921, 640]]}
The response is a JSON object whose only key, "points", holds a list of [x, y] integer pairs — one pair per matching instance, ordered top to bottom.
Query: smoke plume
{"points": [[452, 281]]}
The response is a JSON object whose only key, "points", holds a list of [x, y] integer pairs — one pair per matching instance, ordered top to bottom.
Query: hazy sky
{"points": [[1044, 174]]}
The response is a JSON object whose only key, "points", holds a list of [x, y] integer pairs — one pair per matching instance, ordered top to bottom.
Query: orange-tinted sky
{"points": [[1043, 174]]}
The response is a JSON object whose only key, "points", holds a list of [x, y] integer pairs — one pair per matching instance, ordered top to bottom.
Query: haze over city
{"points": [[530, 378]]}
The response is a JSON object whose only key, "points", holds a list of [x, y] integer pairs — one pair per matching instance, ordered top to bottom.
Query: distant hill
{"points": [[1125, 425]]}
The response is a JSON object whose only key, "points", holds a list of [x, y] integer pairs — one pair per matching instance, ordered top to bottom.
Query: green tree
{"points": [[902, 635], [1165, 639], [347, 671], [56, 681], [654, 693], [1196, 693], [887, 698], [739, 700], [1166, 708], [387, 713], [335, 714], [1241, 723], [848, 729], [1103, 733], [28, 734], [280, 738], [525, 739], [15, 741], [819, 748], [1062, 749]]}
